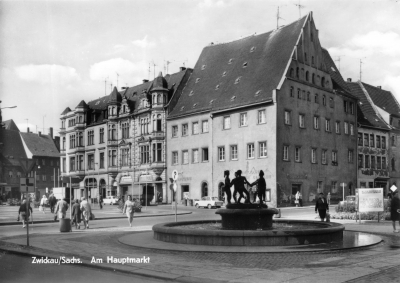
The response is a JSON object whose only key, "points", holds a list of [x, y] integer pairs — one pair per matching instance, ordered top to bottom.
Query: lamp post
{"points": [[8, 107], [98, 182]]}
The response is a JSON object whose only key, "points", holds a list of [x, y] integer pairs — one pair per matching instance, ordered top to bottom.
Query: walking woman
{"points": [[43, 203], [129, 209], [394, 213], [76, 214], [24, 215]]}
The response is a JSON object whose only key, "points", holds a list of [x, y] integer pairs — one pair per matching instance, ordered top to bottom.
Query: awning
{"points": [[382, 179], [127, 180]]}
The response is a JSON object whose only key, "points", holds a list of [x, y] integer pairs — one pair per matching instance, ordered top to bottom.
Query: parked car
{"points": [[110, 200], [208, 202]]}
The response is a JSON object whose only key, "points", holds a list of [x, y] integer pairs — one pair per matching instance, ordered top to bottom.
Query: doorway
{"points": [[296, 188], [204, 189], [221, 191]]}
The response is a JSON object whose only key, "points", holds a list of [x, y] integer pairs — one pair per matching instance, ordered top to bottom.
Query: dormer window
{"points": [[312, 37], [252, 49], [305, 57], [312, 60], [230, 61], [244, 64], [203, 67], [224, 74], [197, 80], [237, 80], [216, 87], [258, 92], [191, 93], [233, 98], [212, 100], [97, 103], [194, 105], [183, 107]]}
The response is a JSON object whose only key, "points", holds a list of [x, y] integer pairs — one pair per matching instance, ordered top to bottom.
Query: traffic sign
{"points": [[175, 175], [27, 184], [343, 184], [175, 186]]}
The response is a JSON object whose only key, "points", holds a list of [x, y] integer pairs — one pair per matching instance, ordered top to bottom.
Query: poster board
{"points": [[370, 200]]}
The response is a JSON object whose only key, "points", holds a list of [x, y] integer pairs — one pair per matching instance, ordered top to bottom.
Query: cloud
{"points": [[211, 3], [144, 43], [372, 43], [126, 70], [47, 74], [392, 83]]}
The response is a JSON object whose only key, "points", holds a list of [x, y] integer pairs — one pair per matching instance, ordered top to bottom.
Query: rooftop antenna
{"points": [[300, 7], [278, 17], [338, 60], [361, 62], [166, 65], [154, 69], [149, 71], [117, 79], [105, 86], [111, 86]]}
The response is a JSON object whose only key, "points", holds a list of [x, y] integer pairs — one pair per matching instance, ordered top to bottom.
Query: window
{"points": [[305, 56], [312, 57], [297, 73], [291, 74], [307, 76], [313, 78], [291, 91], [298, 93], [308, 96], [316, 98], [324, 100], [331, 102], [345, 106], [351, 108], [261, 117], [287, 118], [243, 119], [301, 120], [227, 122], [316, 122], [158, 123], [327, 125], [144, 126], [204, 126], [337, 127], [195, 128], [346, 128], [352, 129], [125, 130], [184, 130], [174, 131], [112, 133], [90, 137], [101, 138], [79, 139], [359, 139], [366, 140], [72, 141], [393, 141], [378, 142], [383, 142], [63, 143], [262, 149], [250, 150], [157, 152], [234, 152], [286, 152], [221, 153], [144, 154], [205, 154], [297, 154], [350, 154], [195, 155], [313, 155], [125, 156], [323, 156], [185, 157], [174, 158], [334, 158], [101, 159], [43, 161], [360, 161], [373, 162], [378, 162], [383, 162], [80, 163], [366, 163], [72, 164], [90, 164], [393, 164], [64, 165], [43, 177], [319, 186], [334, 186]]}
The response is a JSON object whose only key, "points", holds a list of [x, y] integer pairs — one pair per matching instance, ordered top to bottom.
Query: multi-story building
{"points": [[273, 102], [378, 135], [116, 144]]}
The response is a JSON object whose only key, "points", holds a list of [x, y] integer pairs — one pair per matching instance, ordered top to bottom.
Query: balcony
{"points": [[80, 125], [62, 131], [158, 135], [112, 143], [80, 148], [113, 169]]}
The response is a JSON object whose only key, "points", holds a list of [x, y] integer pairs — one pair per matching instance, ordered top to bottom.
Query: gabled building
{"points": [[273, 102], [378, 136], [116, 144]]}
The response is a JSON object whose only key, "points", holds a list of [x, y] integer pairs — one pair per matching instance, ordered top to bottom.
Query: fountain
{"points": [[249, 225]]}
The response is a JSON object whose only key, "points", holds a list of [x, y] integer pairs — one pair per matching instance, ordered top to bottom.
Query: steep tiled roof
{"points": [[333, 71], [240, 72], [160, 83], [383, 99], [81, 104], [67, 110], [368, 115], [10, 125], [11, 144], [40, 145]]}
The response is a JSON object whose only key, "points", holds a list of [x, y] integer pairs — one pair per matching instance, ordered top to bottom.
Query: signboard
{"points": [[175, 175], [27, 184], [343, 184], [393, 188], [59, 193], [186, 195], [370, 200]]}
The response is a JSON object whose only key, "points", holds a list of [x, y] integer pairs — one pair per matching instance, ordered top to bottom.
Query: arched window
{"points": [[297, 72], [291, 73], [307, 76], [313, 78], [323, 82], [291, 91], [308, 96], [316, 98], [154, 99], [159, 99], [323, 100], [124, 109], [159, 123], [147, 125], [114, 133], [63, 143], [393, 164], [204, 189]]}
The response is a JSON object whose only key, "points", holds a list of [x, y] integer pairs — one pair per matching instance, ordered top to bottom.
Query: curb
{"points": [[105, 218]]}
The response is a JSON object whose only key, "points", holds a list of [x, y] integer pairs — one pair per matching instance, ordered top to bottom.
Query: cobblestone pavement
{"points": [[361, 265]]}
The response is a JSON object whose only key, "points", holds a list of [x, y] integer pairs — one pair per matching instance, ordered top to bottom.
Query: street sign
{"points": [[175, 175], [27, 184], [343, 184], [175, 186]]}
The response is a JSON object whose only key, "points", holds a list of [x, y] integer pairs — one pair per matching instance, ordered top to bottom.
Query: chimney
{"points": [[182, 69], [349, 80], [145, 81], [380, 87], [28, 130], [51, 132], [40, 134]]}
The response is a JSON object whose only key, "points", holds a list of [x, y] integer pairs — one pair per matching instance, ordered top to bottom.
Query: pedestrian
{"points": [[239, 183], [227, 187], [261, 187], [296, 198], [328, 198], [300, 199], [101, 201], [52, 202], [43, 203], [321, 206], [61, 208], [129, 209], [394, 210], [86, 212], [23, 214], [76, 214]]}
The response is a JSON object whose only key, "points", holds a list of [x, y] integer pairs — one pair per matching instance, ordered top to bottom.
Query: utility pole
{"points": [[300, 7], [149, 70], [117, 79]]}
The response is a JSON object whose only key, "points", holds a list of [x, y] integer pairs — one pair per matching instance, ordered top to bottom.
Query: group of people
{"points": [[239, 183]]}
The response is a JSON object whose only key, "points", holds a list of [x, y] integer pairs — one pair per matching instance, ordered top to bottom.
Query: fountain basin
{"points": [[325, 233]]}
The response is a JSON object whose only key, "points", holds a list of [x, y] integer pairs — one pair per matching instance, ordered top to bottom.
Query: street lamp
{"points": [[8, 107], [98, 181]]}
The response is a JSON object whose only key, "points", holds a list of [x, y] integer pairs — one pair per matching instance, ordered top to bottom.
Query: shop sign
{"points": [[146, 178]]}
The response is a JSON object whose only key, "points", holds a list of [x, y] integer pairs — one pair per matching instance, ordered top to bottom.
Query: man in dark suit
{"points": [[321, 206]]}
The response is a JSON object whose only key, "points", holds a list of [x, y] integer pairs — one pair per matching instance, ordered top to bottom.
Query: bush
{"points": [[351, 207], [364, 216]]}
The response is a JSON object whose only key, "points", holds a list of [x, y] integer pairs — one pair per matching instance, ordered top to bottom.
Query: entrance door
{"points": [[296, 188], [204, 189], [185, 191], [220, 191], [147, 194]]}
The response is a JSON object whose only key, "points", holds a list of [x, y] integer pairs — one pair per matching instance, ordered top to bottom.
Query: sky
{"points": [[53, 54]]}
